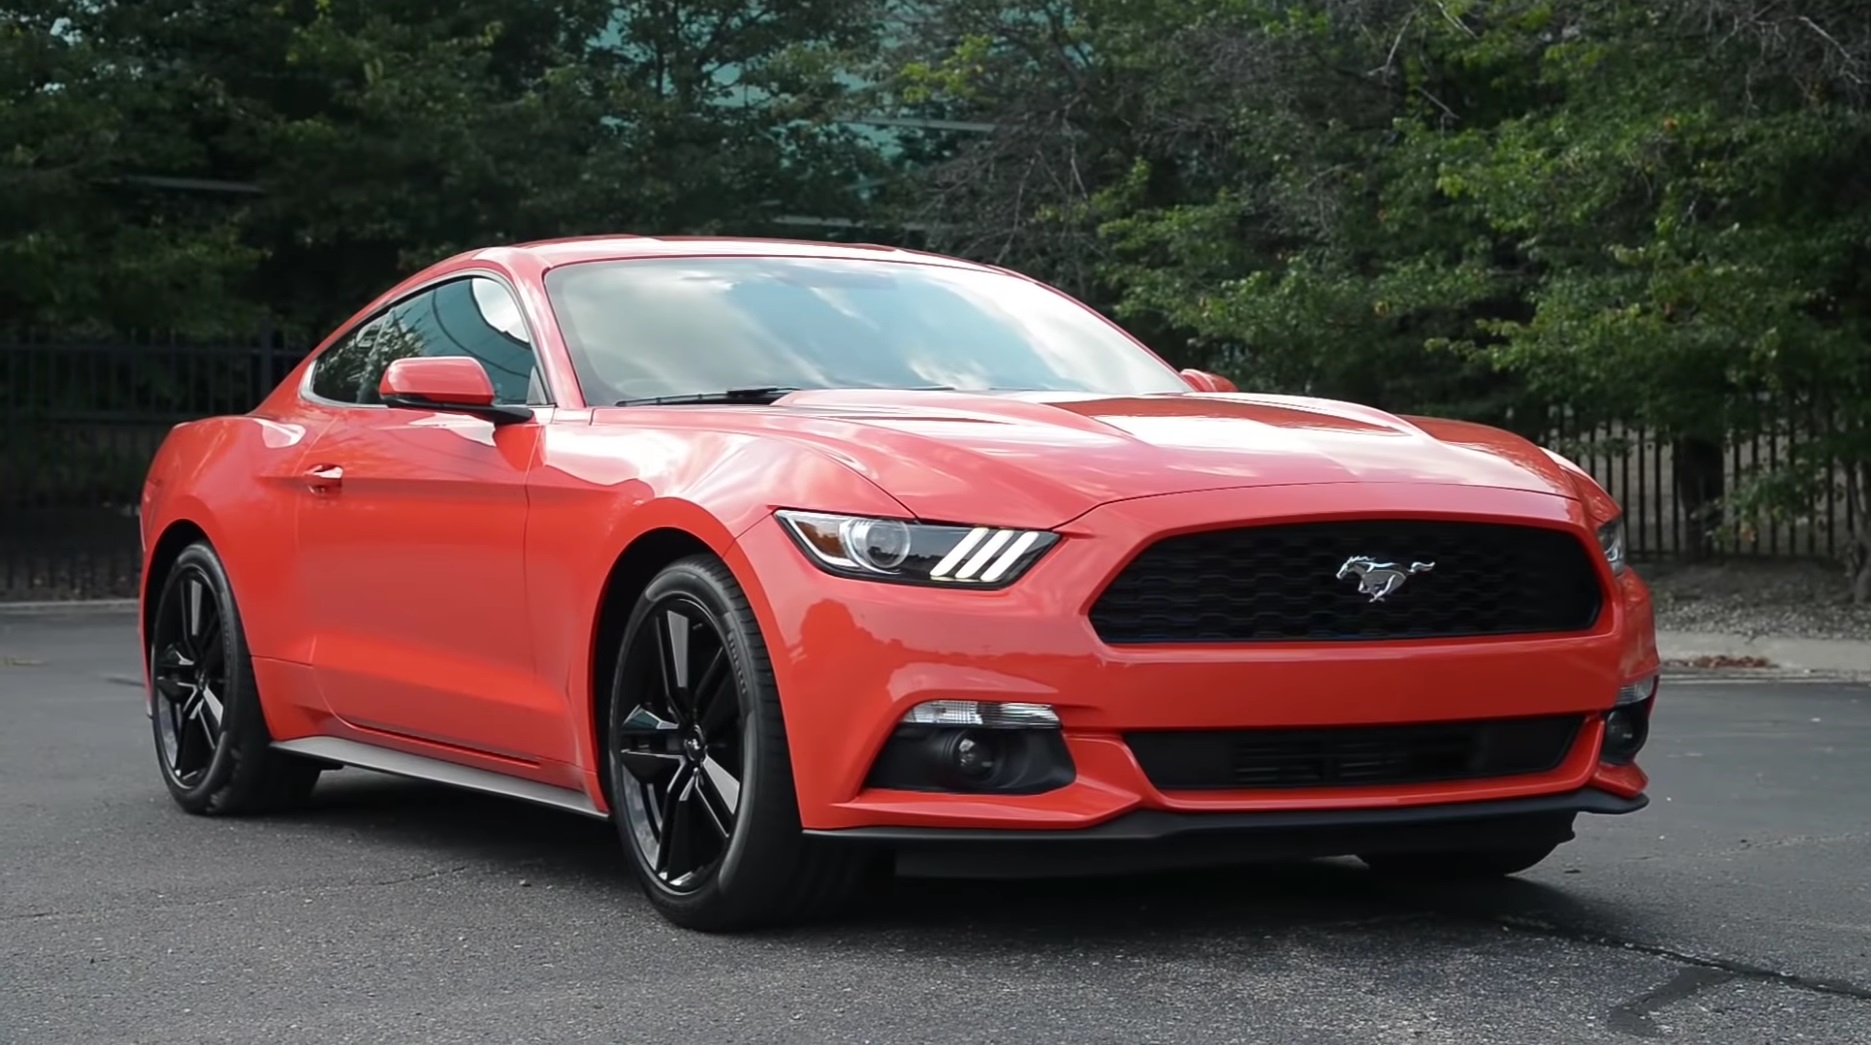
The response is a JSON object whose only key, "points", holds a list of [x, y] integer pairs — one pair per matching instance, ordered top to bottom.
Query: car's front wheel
{"points": [[211, 737], [700, 775], [1457, 865]]}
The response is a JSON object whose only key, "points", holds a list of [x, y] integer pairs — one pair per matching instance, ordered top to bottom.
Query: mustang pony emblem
{"points": [[1378, 579]]}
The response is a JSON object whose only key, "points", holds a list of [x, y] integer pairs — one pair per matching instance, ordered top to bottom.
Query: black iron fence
{"points": [[80, 420], [1686, 498]]}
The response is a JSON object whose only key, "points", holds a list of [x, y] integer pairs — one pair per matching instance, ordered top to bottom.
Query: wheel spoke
{"points": [[194, 602], [208, 647], [672, 653], [173, 659], [172, 673], [172, 689], [715, 702], [209, 710], [644, 725], [651, 746], [183, 748], [650, 766], [721, 786], [711, 815], [674, 831]]}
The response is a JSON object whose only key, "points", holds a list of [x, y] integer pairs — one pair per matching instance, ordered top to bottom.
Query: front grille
{"points": [[1279, 583], [1345, 756]]}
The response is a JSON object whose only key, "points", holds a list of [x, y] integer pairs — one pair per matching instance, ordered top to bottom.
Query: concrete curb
{"points": [[57, 606], [1848, 657]]}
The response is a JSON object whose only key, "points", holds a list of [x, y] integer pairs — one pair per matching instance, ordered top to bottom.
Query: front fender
{"points": [[600, 489]]}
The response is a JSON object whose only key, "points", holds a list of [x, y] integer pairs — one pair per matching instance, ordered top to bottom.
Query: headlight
{"points": [[1611, 542], [916, 552]]}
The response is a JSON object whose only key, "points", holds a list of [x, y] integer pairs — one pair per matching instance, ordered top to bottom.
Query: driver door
{"points": [[412, 536]]}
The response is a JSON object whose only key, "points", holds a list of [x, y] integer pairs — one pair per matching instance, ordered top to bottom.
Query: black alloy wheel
{"points": [[189, 672], [212, 742], [681, 744], [699, 770]]}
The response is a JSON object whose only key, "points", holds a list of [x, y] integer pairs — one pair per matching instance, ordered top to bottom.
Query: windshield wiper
{"points": [[761, 394]]}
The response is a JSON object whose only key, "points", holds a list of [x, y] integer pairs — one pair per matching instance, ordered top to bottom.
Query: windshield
{"points": [[681, 326]]}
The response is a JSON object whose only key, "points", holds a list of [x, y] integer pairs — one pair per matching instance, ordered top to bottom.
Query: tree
{"points": [[353, 141], [1480, 207], [85, 244]]}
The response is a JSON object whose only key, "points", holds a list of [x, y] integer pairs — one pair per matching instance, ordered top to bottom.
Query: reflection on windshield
{"points": [[677, 326]]}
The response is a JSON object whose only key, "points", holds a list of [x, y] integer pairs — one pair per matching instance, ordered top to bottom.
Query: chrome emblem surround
{"points": [[1378, 579]]}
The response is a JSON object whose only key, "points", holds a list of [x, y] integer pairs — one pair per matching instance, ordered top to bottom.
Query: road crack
{"points": [[306, 892], [1732, 969], [1638, 1016]]}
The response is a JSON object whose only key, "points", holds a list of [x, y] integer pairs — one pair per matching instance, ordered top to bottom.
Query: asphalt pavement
{"points": [[1737, 908]]}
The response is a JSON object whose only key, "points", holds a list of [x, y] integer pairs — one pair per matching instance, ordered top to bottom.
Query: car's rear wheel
{"points": [[211, 738], [700, 774], [1458, 865]]}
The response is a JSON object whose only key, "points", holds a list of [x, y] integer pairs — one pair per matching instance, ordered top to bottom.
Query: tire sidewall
{"points": [[752, 820]]}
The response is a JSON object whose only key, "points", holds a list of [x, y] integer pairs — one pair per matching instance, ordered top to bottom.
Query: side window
{"points": [[474, 317], [337, 374]]}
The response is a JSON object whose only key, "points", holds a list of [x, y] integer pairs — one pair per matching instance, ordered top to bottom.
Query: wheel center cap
{"points": [[693, 747]]}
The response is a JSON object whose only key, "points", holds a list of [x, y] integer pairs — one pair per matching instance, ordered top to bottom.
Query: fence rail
{"points": [[79, 422], [1642, 471]]}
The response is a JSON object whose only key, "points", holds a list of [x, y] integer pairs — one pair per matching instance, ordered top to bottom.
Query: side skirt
{"points": [[421, 767]]}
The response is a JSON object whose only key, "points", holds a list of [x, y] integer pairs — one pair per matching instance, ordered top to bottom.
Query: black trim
{"points": [[498, 413], [1284, 582], [1284, 757], [919, 758], [1149, 825], [1157, 840]]}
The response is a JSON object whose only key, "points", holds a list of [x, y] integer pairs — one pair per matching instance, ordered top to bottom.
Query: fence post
{"points": [[269, 368]]}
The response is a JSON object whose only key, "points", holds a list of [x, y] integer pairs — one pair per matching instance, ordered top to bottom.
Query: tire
{"points": [[212, 744], [701, 784], [1465, 865]]}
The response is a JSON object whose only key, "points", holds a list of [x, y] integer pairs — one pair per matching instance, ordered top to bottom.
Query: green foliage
{"points": [[351, 141], [1650, 212]]}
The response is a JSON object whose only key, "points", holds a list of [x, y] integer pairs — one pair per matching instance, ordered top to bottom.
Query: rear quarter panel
{"points": [[232, 478]]}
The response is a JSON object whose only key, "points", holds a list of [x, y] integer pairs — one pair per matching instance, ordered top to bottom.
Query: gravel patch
{"points": [[1782, 598]]}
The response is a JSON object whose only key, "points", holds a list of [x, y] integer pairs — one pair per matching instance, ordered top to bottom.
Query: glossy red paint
{"points": [[442, 380], [1203, 381], [431, 582]]}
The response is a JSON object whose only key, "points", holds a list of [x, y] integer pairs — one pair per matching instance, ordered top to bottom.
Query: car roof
{"points": [[552, 253]]}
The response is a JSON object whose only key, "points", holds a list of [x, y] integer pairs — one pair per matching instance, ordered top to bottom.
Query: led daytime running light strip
{"points": [[1022, 540]]}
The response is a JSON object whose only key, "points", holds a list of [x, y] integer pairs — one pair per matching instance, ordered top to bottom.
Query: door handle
{"points": [[324, 478]]}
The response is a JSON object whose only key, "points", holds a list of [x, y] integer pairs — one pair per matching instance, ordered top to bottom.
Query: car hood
{"points": [[1042, 458]]}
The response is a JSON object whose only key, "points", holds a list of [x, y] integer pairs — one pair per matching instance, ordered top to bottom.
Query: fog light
{"points": [[1627, 727], [980, 747], [974, 756]]}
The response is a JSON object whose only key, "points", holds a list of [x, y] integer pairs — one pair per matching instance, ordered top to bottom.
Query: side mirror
{"points": [[1203, 381], [451, 384]]}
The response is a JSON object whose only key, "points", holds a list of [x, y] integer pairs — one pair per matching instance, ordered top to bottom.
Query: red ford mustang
{"points": [[802, 561]]}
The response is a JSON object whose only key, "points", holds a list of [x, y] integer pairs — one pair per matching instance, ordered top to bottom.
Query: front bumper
{"points": [[851, 657]]}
